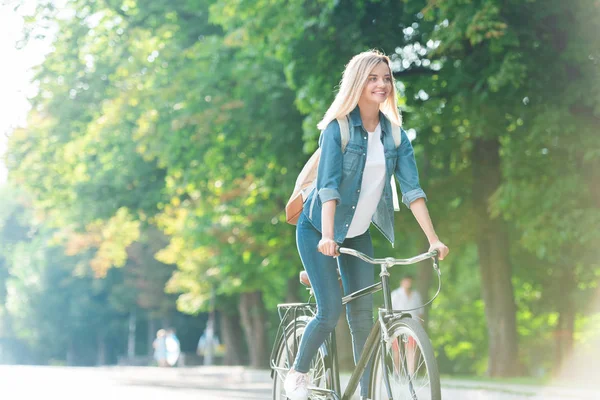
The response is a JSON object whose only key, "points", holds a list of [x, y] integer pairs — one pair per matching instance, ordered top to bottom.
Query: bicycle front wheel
{"points": [[405, 366], [320, 373]]}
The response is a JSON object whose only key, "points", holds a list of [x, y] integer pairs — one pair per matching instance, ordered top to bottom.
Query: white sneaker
{"points": [[296, 385]]}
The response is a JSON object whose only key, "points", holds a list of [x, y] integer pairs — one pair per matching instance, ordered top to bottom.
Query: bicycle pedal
{"points": [[330, 394]]}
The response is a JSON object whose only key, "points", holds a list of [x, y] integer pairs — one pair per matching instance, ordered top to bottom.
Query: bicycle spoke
{"points": [[406, 368], [317, 371]]}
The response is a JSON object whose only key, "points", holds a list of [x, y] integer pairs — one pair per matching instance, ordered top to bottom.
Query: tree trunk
{"points": [[493, 249], [252, 311], [566, 319], [210, 333], [151, 334], [232, 334], [131, 336], [101, 343]]}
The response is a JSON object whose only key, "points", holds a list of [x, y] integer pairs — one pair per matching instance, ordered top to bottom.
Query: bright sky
{"points": [[15, 74]]}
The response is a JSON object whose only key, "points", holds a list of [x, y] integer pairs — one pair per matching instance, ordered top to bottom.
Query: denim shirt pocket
{"points": [[352, 158]]}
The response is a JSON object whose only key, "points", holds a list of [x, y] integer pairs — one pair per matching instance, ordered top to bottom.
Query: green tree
{"points": [[497, 94], [174, 131], [153, 146]]}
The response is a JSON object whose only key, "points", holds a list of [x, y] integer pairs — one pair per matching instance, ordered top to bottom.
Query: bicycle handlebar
{"points": [[389, 261]]}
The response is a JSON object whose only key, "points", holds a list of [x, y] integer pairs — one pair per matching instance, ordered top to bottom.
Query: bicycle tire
{"points": [[397, 361], [320, 372]]}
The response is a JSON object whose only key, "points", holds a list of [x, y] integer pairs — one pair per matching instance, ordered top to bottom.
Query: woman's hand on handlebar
{"points": [[328, 247], [441, 248]]}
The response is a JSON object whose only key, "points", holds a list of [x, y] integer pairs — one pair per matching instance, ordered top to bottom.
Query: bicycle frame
{"points": [[386, 315]]}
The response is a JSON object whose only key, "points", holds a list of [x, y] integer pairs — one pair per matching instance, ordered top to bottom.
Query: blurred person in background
{"points": [[405, 298], [208, 345], [173, 347], [160, 348]]}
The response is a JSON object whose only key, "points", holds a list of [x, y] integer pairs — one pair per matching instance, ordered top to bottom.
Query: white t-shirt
{"points": [[372, 185], [400, 301]]}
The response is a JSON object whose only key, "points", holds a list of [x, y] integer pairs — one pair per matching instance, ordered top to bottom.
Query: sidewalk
{"points": [[244, 374], [527, 391]]}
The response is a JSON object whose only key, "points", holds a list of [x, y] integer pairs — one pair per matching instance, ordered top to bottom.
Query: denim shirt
{"points": [[340, 174]]}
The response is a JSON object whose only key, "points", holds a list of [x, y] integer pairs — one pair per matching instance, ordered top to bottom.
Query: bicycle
{"points": [[394, 338]]}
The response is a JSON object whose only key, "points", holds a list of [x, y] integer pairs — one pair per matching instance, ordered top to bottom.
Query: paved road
{"points": [[25, 382], [124, 383]]}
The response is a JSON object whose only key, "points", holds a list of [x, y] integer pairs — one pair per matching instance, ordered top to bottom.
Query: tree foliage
{"points": [[165, 138]]}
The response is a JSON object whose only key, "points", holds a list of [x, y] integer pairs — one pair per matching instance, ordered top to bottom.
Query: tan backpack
{"points": [[307, 179]]}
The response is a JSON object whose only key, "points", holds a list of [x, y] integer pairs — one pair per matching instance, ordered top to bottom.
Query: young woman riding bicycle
{"points": [[354, 189]]}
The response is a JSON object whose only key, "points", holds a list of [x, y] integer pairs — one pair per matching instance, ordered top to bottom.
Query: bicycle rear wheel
{"points": [[405, 366], [320, 372]]}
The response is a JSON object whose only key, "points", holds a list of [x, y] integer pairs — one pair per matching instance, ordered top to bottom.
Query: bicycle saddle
{"points": [[306, 282]]}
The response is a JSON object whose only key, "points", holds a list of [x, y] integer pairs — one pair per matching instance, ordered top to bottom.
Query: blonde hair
{"points": [[353, 82]]}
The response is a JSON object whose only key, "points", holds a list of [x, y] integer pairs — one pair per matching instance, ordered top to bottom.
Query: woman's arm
{"points": [[329, 177], [412, 194], [421, 213], [327, 218], [327, 245]]}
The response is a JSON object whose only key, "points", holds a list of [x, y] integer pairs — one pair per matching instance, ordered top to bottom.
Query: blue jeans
{"points": [[322, 271]]}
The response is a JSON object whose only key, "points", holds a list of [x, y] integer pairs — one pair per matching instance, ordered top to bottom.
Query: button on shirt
{"points": [[373, 180], [400, 301]]}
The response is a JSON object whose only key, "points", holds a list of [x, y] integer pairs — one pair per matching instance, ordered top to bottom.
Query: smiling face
{"points": [[379, 85]]}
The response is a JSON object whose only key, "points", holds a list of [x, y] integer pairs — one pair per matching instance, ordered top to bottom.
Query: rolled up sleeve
{"points": [[407, 173], [329, 174], [327, 194], [413, 195]]}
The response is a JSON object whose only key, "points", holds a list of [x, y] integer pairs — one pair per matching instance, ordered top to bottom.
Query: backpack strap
{"points": [[344, 131], [396, 134], [345, 136]]}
